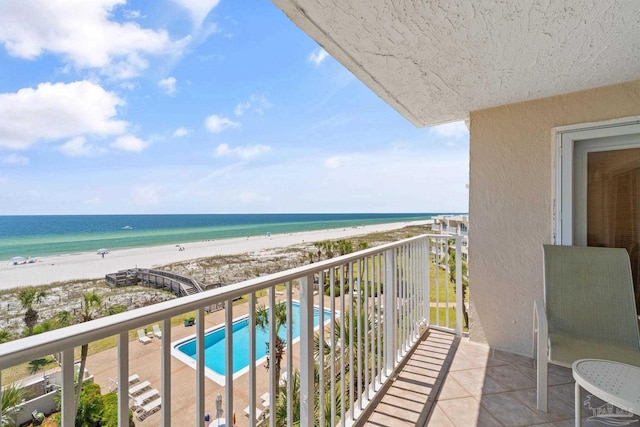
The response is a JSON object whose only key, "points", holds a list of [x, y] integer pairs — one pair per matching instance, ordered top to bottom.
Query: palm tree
{"points": [[465, 281], [28, 298], [91, 309], [262, 322], [6, 335], [11, 398]]}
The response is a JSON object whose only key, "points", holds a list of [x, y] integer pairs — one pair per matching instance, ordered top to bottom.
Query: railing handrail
{"points": [[30, 348]]}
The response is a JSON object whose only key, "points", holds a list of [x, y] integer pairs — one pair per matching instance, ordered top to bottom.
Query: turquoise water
{"points": [[39, 236], [215, 342]]}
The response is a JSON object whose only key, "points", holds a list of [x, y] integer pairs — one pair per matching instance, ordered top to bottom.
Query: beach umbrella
{"points": [[103, 251]]}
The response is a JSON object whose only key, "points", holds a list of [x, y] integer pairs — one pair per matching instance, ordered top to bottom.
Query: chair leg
{"points": [[542, 384]]}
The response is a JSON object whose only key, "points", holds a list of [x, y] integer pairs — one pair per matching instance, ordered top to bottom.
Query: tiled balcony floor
{"points": [[452, 382]]}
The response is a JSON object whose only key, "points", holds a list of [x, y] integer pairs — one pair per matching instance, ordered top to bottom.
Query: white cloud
{"points": [[198, 9], [82, 32], [318, 56], [168, 85], [256, 103], [241, 108], [57, 111], [217, 124], [451, 130], [180, 132], [129, 143], [78, 147], [244, 153], [15, 159], [337, 162], [145, 196]]}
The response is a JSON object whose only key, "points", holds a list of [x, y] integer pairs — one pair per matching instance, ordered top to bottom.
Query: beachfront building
{"points": [[551, 95], [454, 225]]}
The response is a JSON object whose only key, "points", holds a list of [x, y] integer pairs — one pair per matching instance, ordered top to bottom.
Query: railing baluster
{"points": [[358, 294], [459, 299], [343, 307], [379, 319], [390, 325], [366, 329], [321, 341], [352, 343], [334, 347], [252, 350], [306, 352], [272, 355], [289, 357], [166, 372], [68, 374], [123, 378], [200, 378], [228, 383]]}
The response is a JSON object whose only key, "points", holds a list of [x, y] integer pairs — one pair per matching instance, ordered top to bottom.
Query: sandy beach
{"points": [[90, 265]]}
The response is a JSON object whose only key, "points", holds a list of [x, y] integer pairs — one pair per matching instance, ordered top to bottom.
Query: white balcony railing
{"points": [[376, 305]]}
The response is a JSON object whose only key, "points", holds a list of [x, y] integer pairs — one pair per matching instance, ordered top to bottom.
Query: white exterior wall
{"points": [[510, 204]]}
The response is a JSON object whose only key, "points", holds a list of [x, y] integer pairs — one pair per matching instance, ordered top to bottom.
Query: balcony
{"points": [[381, 330]]}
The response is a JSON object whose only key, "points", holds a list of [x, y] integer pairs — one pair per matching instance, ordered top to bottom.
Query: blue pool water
{"points": [[215, 342]]}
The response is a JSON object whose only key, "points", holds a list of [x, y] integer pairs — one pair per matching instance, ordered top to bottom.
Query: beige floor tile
{"points": [[510, 378], [476, 382], [451, 389], [509, 410], [467, 412], [439, 419]]}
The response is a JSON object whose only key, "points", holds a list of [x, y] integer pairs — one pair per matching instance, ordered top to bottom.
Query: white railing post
{"points": [[426, 282], [459, 300], [389, 311], [228, 329], [306, 352], [252, 355], [165, 368], [200, 377], [123, 379], [68, 403]]}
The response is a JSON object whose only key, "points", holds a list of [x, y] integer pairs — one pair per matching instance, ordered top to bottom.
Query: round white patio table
{"points": [[614, 382]]}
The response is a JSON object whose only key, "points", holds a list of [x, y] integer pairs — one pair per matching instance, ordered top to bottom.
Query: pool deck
{"points": [[144, 360]]}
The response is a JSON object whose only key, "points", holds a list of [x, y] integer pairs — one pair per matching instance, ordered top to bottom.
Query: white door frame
{"points": [[564, 139]]}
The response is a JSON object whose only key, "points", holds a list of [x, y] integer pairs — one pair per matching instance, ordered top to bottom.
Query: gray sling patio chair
{"points": [[588, 311]]}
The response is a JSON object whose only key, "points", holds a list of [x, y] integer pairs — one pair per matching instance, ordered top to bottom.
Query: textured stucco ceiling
{"points": [[435, 61]]}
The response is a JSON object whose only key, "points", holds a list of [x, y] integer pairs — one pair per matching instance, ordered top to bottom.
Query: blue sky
{"points": [[201, 106]]}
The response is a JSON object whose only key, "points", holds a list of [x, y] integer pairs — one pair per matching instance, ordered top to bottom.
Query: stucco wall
{"points": [[510, 204]]}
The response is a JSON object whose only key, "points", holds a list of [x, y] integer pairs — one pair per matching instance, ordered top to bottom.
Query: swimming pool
{"points": [[215, 343]]}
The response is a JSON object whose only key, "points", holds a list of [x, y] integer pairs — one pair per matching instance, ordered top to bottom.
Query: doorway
{"points": [[599, 190]]}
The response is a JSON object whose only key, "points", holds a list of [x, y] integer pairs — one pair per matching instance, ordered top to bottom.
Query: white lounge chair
{"points": [[156, 330], [142, 337], [135, 378], [139, 388], [147, 396], [266, 400], [144, 411], [259, 413]]}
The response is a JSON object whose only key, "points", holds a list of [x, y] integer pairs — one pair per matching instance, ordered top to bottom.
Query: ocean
{"points": [[38, 236]]}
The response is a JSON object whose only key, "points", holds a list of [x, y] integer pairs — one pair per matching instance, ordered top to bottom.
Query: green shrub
{"points": [[90, 407], [110, 411]]}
